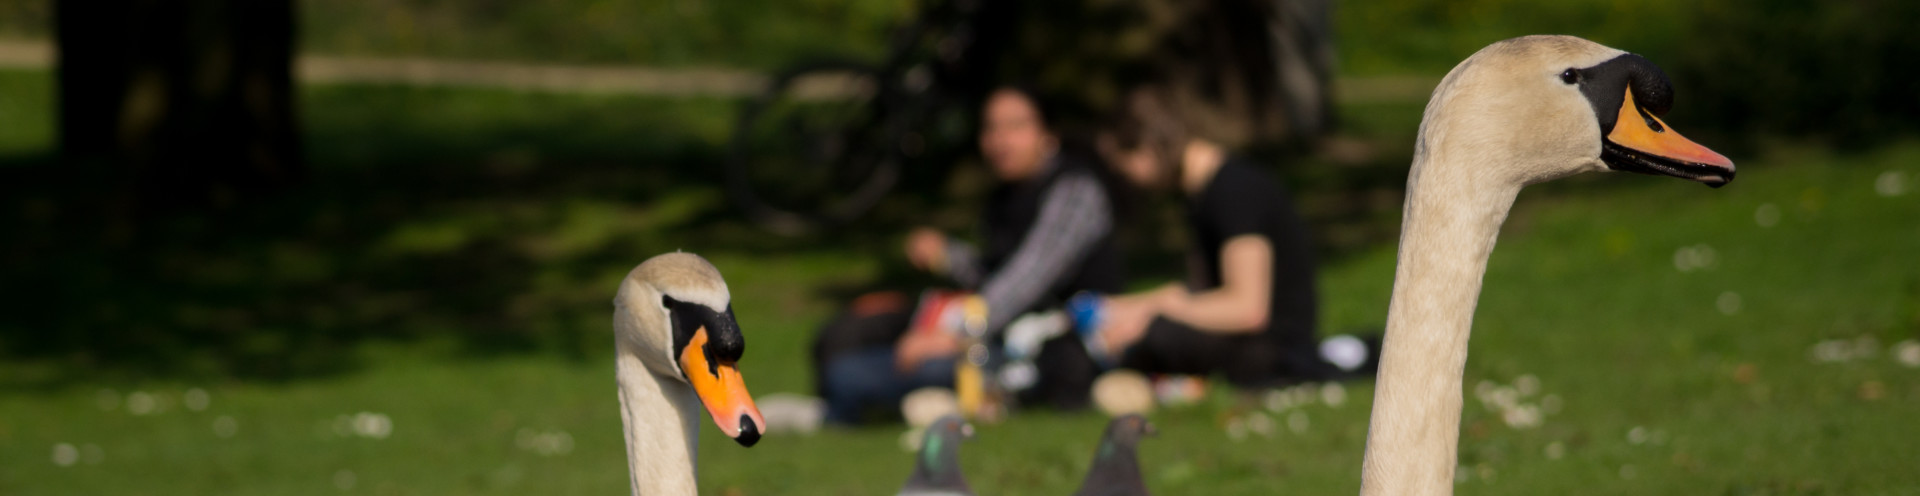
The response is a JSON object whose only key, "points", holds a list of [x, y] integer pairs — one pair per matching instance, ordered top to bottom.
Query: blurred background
{"points": [[366, 246]]}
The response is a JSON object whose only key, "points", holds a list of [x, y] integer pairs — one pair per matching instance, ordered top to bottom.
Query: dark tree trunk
{"points": [[190, 102]]}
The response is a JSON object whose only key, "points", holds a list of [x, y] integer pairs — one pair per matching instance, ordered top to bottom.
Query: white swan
{"points": [[1518, 112], [676, 343]]}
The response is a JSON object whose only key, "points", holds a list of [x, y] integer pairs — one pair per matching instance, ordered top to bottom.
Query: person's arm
{"points": [[1074, 215], [930, 250], [963, 263], [1241, 304], [1238, 306]]}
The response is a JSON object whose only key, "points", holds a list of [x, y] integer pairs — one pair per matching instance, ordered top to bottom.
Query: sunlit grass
{"points": [[1657, 387]]}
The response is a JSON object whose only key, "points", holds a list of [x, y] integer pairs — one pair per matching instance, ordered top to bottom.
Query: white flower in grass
{"points": [[1891, 183], [1767, 215], [1692, 258], [1728, 303], [1838, 350], [1830, 351], [1907, 353], [1527, 385], [1483, 391], [1333, 394], [1301, 395], [1503, 398], [195, 399], [1278, 401], [141, 403], [1523, 416], [1297, 422], [1260, 424], [372, 425], [225, 427], [1237, 429], [1637, 435], [559, 442], [556, 443], [1556, 450], [65, 454], [344, 480]]}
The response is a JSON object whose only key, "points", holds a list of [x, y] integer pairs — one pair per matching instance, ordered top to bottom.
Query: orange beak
{"points": [[1657, 149], [722, 391]]}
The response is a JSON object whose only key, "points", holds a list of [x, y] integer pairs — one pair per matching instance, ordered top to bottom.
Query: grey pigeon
{"points": [[1116, 464], [936, 470]]}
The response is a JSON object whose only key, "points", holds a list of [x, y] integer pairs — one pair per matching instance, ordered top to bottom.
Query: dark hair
{"points": [[1042, 105], [1146, 120]]}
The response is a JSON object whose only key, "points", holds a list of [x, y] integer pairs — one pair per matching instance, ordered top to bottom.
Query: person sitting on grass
{"points": [[1046, 235], [1247, 308]]}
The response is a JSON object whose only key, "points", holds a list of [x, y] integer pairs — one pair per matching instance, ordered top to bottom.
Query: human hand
{"points": [[927, 249], [1123, 321], [916, 347]]}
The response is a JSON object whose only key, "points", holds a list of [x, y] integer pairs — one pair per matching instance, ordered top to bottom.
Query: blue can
{"points": [[1088, 310]]}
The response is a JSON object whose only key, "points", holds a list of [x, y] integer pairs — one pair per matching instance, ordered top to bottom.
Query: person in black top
{"points": [[1046, 235], [1247, 308]]}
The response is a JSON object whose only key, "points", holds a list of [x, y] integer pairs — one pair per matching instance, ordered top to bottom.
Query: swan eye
{"points": [[1570, 76]]}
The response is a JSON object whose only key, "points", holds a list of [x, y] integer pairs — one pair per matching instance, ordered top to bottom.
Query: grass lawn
{"points": [[429, 314], [1667, 381]]}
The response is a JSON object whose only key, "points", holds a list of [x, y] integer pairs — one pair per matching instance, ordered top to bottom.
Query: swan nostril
{"points": [[749, 432]]}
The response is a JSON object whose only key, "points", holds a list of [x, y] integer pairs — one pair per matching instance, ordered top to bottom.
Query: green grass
{"points": [[1427, 36], [26, 126], [450, 263], [1583, 293]]}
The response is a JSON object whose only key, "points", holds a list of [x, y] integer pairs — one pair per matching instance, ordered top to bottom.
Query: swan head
{"points": [[1553, 106], [674, 309]]}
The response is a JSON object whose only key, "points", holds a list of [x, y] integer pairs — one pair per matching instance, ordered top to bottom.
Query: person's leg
{"points": [[863, 325], [1170, 347], [1173, 348], [1299, 360], [937, 372], [1066, 374], [866, 380], [856, 381]]}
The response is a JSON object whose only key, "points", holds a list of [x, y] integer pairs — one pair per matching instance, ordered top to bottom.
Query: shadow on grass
{"points": [[477, 222], [491, 222]]}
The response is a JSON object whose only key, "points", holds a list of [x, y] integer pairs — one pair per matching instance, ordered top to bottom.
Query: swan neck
{"points": [[1450, 222], [660, 417]]}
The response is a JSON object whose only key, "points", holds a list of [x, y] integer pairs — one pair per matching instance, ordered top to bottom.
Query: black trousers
{"points": [[1245, 360]]}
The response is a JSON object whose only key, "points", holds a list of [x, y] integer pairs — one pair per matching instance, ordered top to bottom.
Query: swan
{"points": [[1518, 112], [676, 346]]}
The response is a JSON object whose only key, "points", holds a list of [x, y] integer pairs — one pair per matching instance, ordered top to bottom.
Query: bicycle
{"points": [[826, 141]]}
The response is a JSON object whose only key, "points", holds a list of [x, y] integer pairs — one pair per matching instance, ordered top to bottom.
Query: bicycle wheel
{"points": [[815, 150]]}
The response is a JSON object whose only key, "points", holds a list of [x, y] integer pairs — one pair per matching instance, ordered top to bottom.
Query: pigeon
{"points": [[1116, 465], [936, 470]]}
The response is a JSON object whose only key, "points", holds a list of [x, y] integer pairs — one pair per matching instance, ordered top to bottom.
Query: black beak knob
{"points": [[749, 432]]}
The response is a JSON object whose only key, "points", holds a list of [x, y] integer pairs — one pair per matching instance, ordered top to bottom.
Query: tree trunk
{"points": [[188, 102]]}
